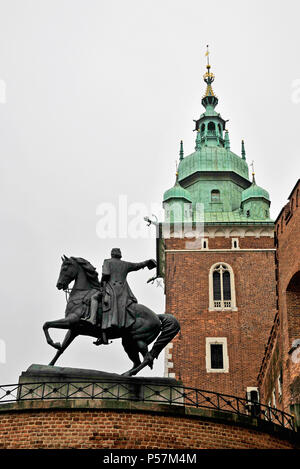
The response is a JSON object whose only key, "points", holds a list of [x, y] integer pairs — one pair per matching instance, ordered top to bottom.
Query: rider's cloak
{"points": [[118, 300]]}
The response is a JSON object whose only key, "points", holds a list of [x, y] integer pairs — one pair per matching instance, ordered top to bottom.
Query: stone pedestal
{"points": [[52, 382]]}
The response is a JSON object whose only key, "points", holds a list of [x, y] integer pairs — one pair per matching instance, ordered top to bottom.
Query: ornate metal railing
{"points": [[164, 394]]}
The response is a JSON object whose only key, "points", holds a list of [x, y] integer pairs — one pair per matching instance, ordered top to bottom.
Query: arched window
{"points": [[211, 126], [202, 128], [215, 195], [221, 287]]}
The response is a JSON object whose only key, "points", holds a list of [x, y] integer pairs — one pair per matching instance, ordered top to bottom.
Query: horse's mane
{"points": [[90, 271]]}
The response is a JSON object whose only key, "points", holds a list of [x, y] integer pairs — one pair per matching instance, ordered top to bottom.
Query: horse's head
{"points": [[68, 273]]}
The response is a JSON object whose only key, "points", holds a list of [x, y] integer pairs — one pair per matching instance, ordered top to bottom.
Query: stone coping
{"points": [[212, 415]]}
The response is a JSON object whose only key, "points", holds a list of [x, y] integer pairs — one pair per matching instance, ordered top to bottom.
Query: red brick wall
{"points": [[220, 242], [288, 287], [246, 330], [96, 428]]}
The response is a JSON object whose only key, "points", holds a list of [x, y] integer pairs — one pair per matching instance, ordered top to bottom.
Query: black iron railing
{"points": [[168, 394]]}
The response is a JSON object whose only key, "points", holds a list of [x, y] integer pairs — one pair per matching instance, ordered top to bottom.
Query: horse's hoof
{"points": [[98, 342], [57, 345], [127, 373]]}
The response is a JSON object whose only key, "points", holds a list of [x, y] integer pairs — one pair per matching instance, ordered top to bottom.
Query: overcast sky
{"points": [[96, 96]]}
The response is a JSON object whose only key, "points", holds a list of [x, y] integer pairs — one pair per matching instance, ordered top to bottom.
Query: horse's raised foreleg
{"points": [[64, 323], [69, 337]]}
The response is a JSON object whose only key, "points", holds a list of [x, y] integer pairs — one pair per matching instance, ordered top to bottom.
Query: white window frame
{"points": [[204, 240], [235, 240], [221, 304], [216, 340], [252, 388]]}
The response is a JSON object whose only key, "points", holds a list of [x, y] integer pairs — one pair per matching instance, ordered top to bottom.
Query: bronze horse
{"points": [[147, 326]]}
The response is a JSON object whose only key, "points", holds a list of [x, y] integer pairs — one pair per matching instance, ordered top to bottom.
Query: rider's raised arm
{"points": [[150, 263], [132, 266]]}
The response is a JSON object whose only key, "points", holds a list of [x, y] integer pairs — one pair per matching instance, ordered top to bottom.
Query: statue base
{"points": [[54, 382]]}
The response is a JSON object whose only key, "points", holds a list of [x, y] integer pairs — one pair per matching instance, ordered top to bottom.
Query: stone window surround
{"points": [[204, 240], [235, 240], [216, 340], [252, 388]]}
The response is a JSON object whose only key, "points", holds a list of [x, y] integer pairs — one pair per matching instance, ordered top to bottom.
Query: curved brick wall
{"points": [[104, 424]]}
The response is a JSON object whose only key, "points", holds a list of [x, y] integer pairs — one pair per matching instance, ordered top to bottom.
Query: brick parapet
{"points": [[133, 425]]}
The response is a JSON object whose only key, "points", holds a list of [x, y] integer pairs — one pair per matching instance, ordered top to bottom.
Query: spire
{"points": [[207, 54], [209, 100], [210, 126], [226, 140], [243, 150], [181, 151], [253, 173]]}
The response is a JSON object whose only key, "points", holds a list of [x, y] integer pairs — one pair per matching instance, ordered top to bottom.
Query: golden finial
{"points": [[208, 76]]}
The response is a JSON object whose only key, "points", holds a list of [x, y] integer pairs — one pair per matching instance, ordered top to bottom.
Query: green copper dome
{"points": [[212, 158], [255, 191], [177, 192]]}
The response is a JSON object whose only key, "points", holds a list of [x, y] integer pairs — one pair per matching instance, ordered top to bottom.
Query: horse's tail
{"points": [[170, 327]]}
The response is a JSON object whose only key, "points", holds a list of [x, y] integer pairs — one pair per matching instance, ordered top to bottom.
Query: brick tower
{"points": [[217, 257]]}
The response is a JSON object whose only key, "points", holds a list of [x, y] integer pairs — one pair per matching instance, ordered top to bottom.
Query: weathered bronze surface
{"points": [[109, 310]]}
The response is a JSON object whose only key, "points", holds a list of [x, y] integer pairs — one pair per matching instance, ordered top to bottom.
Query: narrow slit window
{"points": [[204, 243], [235, 243]]}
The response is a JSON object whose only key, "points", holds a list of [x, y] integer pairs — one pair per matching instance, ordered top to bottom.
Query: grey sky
{"points": [[98, 96]]}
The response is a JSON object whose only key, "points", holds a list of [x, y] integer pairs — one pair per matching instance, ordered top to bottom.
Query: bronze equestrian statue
{"points": [[107, 309]]}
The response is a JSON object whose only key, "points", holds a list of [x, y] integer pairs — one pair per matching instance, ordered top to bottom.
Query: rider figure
{"points": [[118, 299], [94, 307]]}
